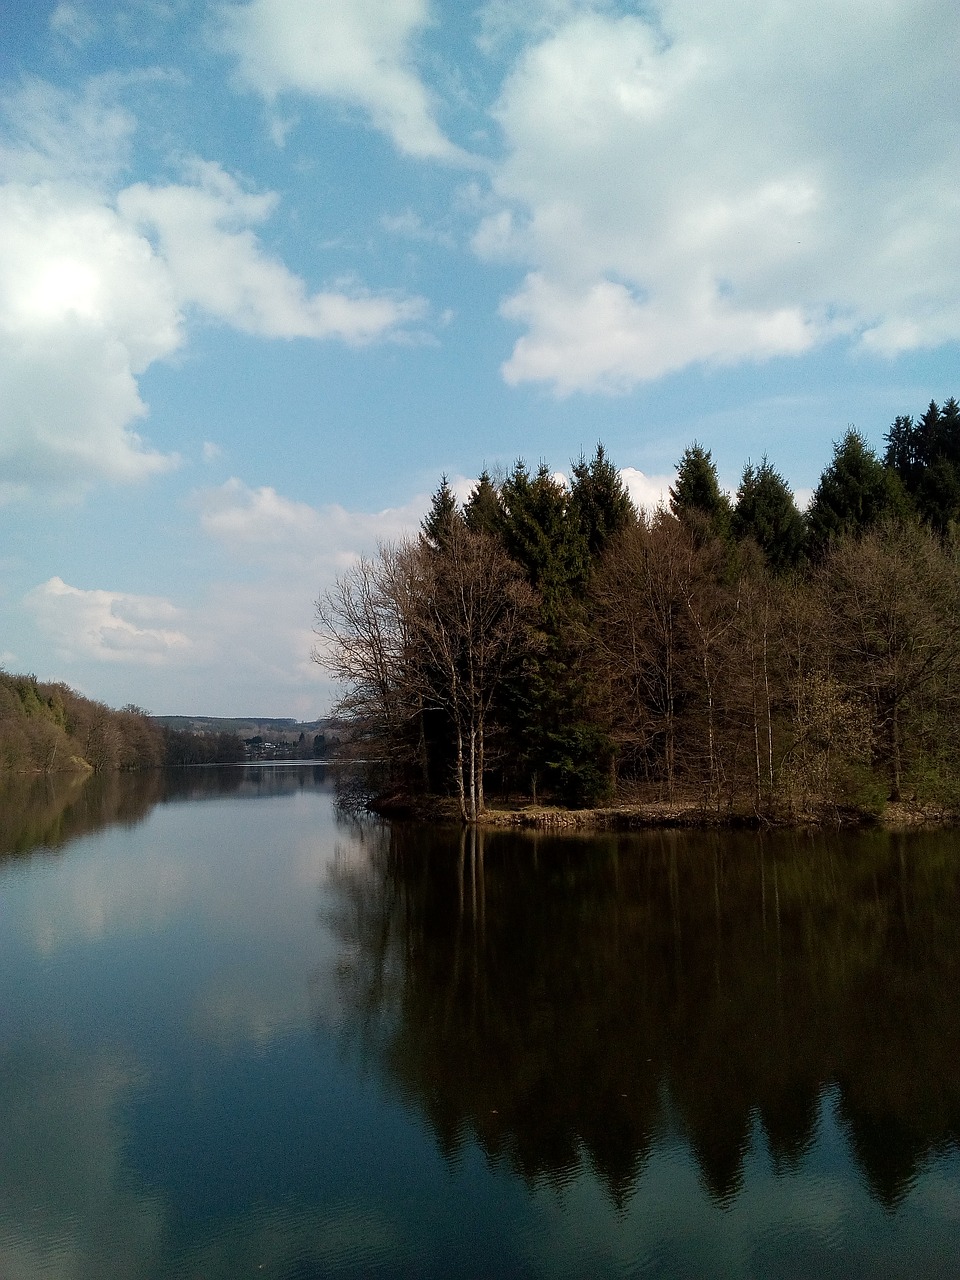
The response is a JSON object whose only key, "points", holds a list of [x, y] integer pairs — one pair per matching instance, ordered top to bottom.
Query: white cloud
{"points": [[74, 23], [357, 52], [53, 135], [718, 182], [410, 226], [217, 264], [88, 303], [85, 307], [602, 336], [647, 492], [260, 525], [106, 626], [245, 639]]}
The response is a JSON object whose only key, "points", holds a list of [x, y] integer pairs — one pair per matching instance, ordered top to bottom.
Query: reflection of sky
{"points": [[184, 913], [173, 1106]]}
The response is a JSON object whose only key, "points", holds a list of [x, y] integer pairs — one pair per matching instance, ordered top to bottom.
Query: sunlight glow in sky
{"points": [[268, 268]]}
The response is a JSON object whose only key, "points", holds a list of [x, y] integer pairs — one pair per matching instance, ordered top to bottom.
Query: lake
{"points": [[243, 1034]]}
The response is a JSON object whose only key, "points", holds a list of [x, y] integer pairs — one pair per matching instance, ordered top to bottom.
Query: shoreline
{"points": [[660, 815]]}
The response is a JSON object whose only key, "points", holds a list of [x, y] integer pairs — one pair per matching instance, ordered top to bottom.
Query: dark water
{"points": [[242, 1037]]}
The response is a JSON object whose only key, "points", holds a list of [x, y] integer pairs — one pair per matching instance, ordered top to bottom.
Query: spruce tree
{"points": [[925, 455], [855, 491], [696, 498], [599, 500], [482, 511], [444, 512], [767, 512], [541, 530], [556, 746]]}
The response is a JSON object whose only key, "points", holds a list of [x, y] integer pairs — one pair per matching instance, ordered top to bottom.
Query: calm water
{"points": [[242, 1037]]}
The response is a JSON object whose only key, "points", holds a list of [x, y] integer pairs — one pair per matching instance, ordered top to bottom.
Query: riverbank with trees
{"points": [[738, 659], [50, 728]]}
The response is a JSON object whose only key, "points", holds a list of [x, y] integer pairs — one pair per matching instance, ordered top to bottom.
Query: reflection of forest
{"points": [[47, 811], [561, 997]]}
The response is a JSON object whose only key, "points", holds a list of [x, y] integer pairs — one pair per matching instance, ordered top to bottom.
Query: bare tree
{"points": [[893, 599], [470, 617], [426, 628], [365, 640]]}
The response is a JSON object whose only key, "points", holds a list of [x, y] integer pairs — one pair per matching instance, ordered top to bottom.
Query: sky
{"points": [[269, 269]]}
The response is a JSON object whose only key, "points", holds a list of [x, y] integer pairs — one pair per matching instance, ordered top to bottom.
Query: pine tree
{"points": [[925, 455], [855, 491], [696, 498], [599, 500], [482, 511], [767, 512], [444, 513], [542, 532], [556, 746]]}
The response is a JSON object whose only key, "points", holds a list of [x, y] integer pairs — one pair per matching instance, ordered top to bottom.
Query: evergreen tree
{"points": [[903, 451], [925, 455], [855, 491], [696, 498], [599, 500], [482, 511], [766, 511], [444, 514], [542, 532], [556, 747]]}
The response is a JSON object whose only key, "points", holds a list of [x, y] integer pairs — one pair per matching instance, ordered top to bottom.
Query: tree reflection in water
{"points": [[45, 812], [566, 998]]}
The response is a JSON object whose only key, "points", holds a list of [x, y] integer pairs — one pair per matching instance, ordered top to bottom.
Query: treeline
{"points": [[547, 640], [49, 728]]}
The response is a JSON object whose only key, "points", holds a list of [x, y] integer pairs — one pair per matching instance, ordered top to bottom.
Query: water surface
{"points": [[243, 1036]]}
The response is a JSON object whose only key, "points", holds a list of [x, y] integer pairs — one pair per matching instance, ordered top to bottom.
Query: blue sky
{"points": [[268, 269]]}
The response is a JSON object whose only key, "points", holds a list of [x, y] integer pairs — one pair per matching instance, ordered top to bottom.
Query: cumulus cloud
{"points": [[357, 52], [713, 182], [216, 263], [96, 286], [85, 307], [602, 336], [647, 492], [107, 626]]}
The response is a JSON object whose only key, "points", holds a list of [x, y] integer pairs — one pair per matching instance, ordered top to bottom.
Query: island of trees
{"points": [[547, 642]]}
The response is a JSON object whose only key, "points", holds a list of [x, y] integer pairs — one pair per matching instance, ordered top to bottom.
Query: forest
{"points": [[546, 642], [50, 728]]}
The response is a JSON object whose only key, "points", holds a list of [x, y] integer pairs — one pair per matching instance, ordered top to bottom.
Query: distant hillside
{"points": [[272, 728]]}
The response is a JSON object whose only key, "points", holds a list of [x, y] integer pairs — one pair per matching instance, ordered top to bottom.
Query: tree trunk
{"points": [[473, 773], [461, 792]]}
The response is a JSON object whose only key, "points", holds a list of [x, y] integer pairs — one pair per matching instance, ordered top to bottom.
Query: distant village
{"points": [[268, 739]]}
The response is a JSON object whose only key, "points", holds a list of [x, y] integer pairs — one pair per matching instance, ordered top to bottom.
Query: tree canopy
{"points": [[548, 641]]}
